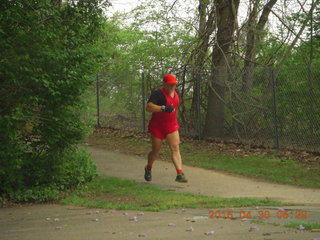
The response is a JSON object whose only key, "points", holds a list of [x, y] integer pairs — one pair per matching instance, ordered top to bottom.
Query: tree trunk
{"points": [[226, 20], [253, 37], [198, 60]]}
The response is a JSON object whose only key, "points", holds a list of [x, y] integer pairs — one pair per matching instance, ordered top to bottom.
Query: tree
{"points": [[226, 12], [253, 38], [199, 56], [48, 60]]}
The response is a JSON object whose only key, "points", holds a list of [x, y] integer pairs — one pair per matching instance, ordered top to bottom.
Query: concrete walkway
{"points": [[201, 181], [53, 222]]}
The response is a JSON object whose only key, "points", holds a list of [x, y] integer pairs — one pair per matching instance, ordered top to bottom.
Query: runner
{"points": [[163, 104]]}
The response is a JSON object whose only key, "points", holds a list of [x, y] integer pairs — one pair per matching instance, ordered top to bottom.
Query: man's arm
{"points": [[151, 107]]}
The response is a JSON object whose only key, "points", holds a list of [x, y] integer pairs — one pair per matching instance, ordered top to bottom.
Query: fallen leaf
{"points": [[133, 219], [300, 227], [253, 228], [190, 229], [209, 233], [142, 235]]}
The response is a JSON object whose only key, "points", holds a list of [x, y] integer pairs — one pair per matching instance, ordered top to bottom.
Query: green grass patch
{"points": [[277, 170], [114, 193], [307, 226]]}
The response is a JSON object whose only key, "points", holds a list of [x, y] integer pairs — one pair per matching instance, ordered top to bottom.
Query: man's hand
{"points": [[168, 109]]}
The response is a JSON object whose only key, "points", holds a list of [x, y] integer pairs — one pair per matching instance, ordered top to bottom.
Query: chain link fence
{"points": [[269, 107]]}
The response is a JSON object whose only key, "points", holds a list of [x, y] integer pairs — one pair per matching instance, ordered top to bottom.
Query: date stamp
{"points": [[263, 214]]}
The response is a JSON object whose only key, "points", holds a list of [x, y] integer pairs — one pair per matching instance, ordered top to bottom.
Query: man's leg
{"points": [[173, 140], [154, 153], [152, 156]]}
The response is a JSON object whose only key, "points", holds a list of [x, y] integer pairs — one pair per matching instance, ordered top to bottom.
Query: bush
{"points": [[48, 61], [72, 168]]}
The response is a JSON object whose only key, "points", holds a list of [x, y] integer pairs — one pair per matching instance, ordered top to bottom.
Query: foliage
{"points": [[153, 41], [48, 57]]}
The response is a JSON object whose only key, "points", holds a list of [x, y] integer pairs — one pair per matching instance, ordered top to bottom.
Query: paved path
{"points": [[201, 181], [51, 222]]}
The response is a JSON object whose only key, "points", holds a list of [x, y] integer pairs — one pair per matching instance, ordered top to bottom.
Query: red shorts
{"points": [[160, 130]]}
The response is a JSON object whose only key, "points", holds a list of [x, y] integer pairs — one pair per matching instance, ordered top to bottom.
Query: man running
{"points": [[163, 104]]}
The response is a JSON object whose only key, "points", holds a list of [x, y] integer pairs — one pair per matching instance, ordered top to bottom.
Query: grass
{"points": [[200, 154], [277, 170], [114, 193], [296, 225], [307, 226]]}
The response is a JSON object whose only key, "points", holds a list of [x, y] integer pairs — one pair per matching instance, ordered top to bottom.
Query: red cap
{"points": [[170, 79]]}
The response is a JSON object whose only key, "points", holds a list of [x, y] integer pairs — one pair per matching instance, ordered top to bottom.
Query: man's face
{"points": [[170, 87]]}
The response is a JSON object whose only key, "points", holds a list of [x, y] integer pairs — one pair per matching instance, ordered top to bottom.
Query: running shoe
{"points": [[147, 175], [181, 178]]}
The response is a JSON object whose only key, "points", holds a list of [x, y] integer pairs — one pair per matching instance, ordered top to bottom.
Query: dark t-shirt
{"points": [[158, 98]]}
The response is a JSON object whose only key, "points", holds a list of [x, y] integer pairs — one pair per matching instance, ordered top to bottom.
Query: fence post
{"points": [[98, 101], [143, 103], [274, 104], [198, 117]]}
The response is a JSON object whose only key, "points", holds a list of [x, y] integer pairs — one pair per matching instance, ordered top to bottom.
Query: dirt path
{"points": [[201, 181]]}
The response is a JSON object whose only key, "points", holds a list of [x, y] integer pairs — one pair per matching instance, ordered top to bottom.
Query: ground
{"points": [[53, 221]]}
